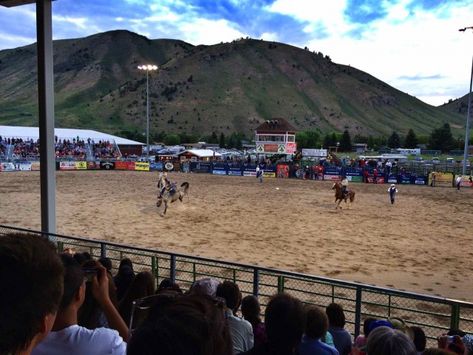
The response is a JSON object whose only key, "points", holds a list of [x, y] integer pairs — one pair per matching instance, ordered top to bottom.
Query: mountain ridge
{"points": [[223, 88]]}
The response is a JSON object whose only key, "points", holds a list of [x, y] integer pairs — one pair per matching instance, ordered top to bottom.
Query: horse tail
{"points": [[185, 186]]}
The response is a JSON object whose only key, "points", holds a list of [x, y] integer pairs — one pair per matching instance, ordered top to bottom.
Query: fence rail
{"points": [[434, 314]]}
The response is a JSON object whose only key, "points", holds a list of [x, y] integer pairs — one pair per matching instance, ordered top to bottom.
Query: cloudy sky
{"points": [[414, 45]]}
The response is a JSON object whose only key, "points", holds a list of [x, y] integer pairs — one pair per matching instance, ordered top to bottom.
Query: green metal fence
{"points": [[435, 315]]}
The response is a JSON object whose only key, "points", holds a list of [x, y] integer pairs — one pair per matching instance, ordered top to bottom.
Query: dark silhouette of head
{"points": [[31, 275], [230, 292], [251, 310], [335, 314], [284, 320], [316, 323], [190, 324], [387, 341]]}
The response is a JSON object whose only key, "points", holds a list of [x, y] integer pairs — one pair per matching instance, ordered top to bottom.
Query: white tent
{"points": [[63, 133]]}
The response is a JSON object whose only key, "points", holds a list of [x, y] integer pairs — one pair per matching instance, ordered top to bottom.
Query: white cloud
{"points": [[203, 31], [269, 36]]}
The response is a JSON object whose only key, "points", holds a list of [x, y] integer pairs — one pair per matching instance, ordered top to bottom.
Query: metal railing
{"points": [[435, 315]]}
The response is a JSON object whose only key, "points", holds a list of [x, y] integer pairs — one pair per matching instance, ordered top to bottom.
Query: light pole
{"points": [[147, 68], [467, 128]]}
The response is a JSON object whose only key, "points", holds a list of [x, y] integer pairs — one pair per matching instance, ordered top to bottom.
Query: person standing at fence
{"points": [[260, 172], [458, 182], [392, 193]]}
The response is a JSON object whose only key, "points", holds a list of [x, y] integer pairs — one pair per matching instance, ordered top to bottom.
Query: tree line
{"points": [[440, 139]]}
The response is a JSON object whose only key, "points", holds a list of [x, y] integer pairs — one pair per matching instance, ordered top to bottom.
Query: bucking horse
{"points": [[170, 193], [339, 196]]}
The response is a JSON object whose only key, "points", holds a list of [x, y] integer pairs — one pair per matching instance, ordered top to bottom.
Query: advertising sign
{"points": [[291, 148], [322, 153], [67, 165], [81, 165], [93, 165], [108, 165], [26, 166], [35, 166], [141, 166], [7, 167], [201, 167], [219, 169], [234, 169], [249, 170], [282, 171], [441, 179]]}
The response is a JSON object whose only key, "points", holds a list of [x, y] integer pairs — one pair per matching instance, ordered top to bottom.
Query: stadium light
{"points": [[147, 68], [467, 127]]}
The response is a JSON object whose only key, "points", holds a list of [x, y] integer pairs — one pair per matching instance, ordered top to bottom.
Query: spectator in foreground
{"points": [[31, 275], [124, 277], [142, 286], [251, 310], [284, 321], [336, 321], [190, 324], [316, 326], [240, 329], [67, 337], [420, 340], [387, 341], [359, 345]]}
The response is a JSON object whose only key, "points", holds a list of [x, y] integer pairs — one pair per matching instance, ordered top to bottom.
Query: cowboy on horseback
{"points": [[344, 184]]}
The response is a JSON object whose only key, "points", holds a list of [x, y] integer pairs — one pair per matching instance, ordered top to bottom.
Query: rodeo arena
{"points": [[264, 227]]}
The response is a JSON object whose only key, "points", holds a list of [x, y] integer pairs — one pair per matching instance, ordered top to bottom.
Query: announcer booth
{"points": [[275, 136]]}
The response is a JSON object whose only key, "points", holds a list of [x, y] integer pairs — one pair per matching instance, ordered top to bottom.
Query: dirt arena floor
{"points": [[423, 243]]}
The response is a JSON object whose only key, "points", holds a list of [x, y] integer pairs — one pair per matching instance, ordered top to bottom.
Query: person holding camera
{"points": [[67, 337]]}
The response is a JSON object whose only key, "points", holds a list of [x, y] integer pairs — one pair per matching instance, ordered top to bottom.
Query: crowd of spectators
{"points": [[3, 147], [24, 148], [69, 149], [75, 149], [105, 150], [69, 303]]}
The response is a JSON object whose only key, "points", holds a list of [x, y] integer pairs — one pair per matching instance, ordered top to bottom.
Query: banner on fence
{"points": [[322, 153], [67, 165], [81, 165], [93, 165], [109, 165], [124, 165], [26, 166], [35, 166], [141, 166], [7, 167], [201, 167], [219, 169], [234, 169], [249, 170], [282, 171], [441, 179], [467, 181]]}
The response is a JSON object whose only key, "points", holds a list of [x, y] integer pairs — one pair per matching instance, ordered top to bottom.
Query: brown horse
{"points": [[171, 194], [350, 195]]}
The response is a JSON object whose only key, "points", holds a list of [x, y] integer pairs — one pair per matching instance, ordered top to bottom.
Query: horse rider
{"points": [[344, 184]]}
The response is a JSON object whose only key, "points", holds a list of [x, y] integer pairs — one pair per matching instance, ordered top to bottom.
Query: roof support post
{"points": [[46, 115]]}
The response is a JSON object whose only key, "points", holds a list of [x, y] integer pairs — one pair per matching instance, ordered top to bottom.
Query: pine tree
{"points": [[442, 139], [411, 140], [394, 141], [221, 142], [345, 142]]}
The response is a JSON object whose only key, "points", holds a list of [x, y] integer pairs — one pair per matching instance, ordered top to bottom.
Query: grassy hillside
{"points": [[224, 88]]}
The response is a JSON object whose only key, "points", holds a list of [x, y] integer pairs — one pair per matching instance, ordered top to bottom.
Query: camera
{"points": [[89, 273]]}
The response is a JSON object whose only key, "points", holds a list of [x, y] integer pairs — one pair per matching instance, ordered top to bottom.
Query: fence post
{"points": [[60, 246], [103, 250], [154, 266], [172, 268], [256, 282], [280, 284], [358, 311], [455, 316]]}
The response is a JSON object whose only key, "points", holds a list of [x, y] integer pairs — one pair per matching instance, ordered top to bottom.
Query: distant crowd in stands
{"points": [[73, 149], [105, 150], [70, 304]]}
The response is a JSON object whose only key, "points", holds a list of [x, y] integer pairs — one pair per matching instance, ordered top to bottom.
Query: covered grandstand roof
{"points": [[63, 133], [201, 153]]}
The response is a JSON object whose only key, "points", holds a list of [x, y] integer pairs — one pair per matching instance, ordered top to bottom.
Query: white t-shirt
{"points": [[241, 332], [77, 340]]}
